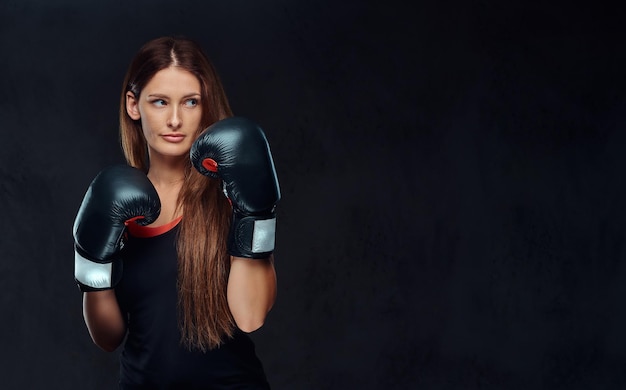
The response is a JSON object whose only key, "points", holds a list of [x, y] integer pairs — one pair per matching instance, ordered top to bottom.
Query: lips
{"points": [[174, 138]]}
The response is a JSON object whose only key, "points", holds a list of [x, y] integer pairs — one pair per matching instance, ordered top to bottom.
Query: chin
{"points": [[169, 152]]}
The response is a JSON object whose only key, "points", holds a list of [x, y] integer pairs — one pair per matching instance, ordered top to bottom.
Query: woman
{"points": [[171, 284]]}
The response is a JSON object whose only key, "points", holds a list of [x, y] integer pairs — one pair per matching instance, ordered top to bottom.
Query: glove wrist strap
{"points": [[252, 236], [92, 276]]}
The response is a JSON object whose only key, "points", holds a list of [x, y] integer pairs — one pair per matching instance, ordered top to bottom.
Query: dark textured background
{"points": [[452, 179]]}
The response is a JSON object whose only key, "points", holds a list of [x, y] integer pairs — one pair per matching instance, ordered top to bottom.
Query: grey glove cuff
{"points": [[252, 236], [92, 276]]}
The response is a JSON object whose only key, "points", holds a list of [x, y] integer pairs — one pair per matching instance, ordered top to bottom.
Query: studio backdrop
{"points": [[452, 178]]}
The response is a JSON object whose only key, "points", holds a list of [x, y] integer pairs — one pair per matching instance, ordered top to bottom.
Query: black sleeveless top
{"points": [[152, 356]]}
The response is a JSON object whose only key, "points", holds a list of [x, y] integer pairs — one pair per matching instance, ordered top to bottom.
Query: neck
{"points": [[166, 173], [167, 176]]}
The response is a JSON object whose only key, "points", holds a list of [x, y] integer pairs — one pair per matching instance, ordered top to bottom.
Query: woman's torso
{"points": [[153, 356]]}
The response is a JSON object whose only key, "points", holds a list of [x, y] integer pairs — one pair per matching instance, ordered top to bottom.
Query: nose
{"points": [[174, 121]]}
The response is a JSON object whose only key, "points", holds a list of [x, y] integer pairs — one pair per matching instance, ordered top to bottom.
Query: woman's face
{"points": [[170, 110]]}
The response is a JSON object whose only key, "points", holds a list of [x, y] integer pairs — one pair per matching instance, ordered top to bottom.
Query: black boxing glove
{"points": [[236, 150], [116, 196]]}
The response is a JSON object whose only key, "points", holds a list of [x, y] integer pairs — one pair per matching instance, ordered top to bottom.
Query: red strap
{"points": [[151, 231]]}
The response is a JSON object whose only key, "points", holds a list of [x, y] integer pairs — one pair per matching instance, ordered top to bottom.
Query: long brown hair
{"points": [[203, 262]]}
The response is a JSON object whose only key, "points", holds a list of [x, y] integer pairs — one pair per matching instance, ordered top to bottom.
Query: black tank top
{"points": [[152, 356]]}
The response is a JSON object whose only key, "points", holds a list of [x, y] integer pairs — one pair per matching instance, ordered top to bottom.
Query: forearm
{"points": [[251, 291], [104, 319]]}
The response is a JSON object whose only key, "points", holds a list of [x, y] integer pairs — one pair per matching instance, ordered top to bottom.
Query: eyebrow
{"points": [[159, 95]]}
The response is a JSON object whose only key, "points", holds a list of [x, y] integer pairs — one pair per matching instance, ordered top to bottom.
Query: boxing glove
{"points": [[236, 150], [116, 196]]}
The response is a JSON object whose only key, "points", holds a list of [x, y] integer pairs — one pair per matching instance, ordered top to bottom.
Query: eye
{"points": [[158, 102], [191, 102]]}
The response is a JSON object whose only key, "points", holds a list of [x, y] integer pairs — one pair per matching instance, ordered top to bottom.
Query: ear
{"points": [[132, 106]]}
